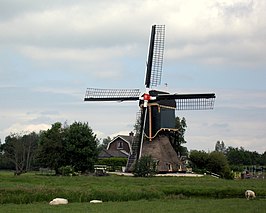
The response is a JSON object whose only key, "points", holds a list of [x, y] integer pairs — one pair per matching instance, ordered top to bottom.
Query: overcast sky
{"points": [[51, 51]]}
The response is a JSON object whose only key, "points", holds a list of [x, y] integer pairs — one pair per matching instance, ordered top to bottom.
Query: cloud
{"points": [[236, 9], [70, 25], [54, 32], [224, 34], [52, 50], [238, 119], [20, 128]]}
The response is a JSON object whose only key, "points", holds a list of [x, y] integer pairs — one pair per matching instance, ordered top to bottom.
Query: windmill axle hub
{"points": [[146, 97]]}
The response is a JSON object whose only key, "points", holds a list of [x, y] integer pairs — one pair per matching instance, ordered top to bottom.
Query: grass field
{"points": [[31, 193], [154, 206]]}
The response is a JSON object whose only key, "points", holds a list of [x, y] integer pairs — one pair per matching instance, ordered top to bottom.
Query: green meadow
{"points": [[32, 193], [146, 206]]}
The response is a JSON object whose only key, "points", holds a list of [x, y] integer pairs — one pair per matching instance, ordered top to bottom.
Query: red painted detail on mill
{"points": [[146, 97]]}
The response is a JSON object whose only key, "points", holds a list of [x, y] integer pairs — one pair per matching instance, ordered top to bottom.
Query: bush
{"points": [[215, 162], [113, 163], [218, 164], [145, 167], [66, 171]]}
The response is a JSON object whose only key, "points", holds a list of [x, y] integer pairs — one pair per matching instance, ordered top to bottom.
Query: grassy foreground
{"points": [[31, 193], [154, 206]]}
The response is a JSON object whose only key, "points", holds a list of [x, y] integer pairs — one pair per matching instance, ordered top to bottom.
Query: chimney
{"points": [[131, 134]]}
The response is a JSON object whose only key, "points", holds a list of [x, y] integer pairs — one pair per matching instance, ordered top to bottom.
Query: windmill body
{"points": [[157, 109], [160, 115]]}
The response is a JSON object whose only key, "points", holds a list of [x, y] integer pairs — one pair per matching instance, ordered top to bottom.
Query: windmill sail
{"points": [[155, 57], [95, 94], [190, 101]]}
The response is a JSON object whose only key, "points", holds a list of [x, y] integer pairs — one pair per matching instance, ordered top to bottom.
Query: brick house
{"points": [[120, 146]]}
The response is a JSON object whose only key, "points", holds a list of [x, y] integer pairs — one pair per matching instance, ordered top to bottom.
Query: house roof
{"points": [[127, 138], [113, 153]]}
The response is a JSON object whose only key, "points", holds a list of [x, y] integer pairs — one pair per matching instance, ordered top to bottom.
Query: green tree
{"points": [[137, 128], [178, 138], [30, 142], [104, 143], [74, 145], [81, 147], [220, 147], [19, 150], [14, 152], [51, 152], [235, 156], [240, 156], [255, 158], [263, 159], [198, 160], [4, 163], [217, 163], [145, 167]]}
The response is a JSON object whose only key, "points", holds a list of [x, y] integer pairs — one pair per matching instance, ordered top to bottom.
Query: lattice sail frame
{"points": [[155, 56], [157, 60], [95, 94], [190, 101], [195, 104]]}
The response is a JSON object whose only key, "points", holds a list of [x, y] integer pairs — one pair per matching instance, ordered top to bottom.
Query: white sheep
{"points": [[250, 194], [58, 201], [96, 201]]}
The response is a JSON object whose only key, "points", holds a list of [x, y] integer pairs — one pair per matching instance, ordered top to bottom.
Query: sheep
{"points": [[250, 194], [58, 201], [95, 201]]}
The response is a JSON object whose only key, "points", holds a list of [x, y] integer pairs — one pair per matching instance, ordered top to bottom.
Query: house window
{"points": [[120, 145]]}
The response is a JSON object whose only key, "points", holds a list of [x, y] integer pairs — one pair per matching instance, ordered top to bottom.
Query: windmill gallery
{"points": [[157, 109]]}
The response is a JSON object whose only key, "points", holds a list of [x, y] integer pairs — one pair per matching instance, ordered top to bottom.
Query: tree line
{"points": [[76, 147], [240, 156], [223, 160]]}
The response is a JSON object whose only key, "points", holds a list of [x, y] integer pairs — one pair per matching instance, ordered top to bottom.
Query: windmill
{"points": [[157, 108]]}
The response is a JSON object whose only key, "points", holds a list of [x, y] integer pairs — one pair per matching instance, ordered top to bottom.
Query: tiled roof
{"points": [[127, 138], [112, 153], [104, 154]]}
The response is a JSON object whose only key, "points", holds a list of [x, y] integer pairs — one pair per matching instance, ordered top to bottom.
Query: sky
{"points": [[51, 51]]}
